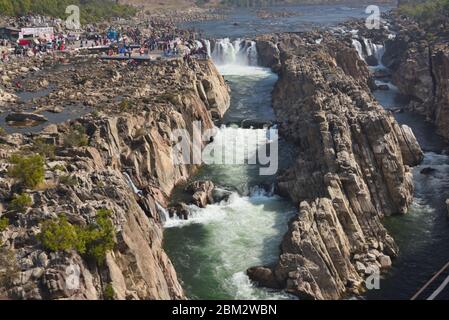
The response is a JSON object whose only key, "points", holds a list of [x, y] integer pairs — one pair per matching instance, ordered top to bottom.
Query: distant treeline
{"points": [[250, 3], [264, 3], [90, 10], [428, 12]]}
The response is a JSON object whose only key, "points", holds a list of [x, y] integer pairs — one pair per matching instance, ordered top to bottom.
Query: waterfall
{"points": [[198, 44], [358, 46], [208, 48], [369, 49], [375, 50], [237, 52], [132, 185], [163, 213]]}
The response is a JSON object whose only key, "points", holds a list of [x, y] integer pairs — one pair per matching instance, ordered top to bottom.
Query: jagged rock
{"points": [[268, 53], [420, 70], [6, 97], [352, 168], [428, 170], [202, 193], [181, 210], [385, 261], [360, 267], [264, 277]]}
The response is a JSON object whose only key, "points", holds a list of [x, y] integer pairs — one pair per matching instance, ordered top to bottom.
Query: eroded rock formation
{"points": [[127, 167], [352, 169]]}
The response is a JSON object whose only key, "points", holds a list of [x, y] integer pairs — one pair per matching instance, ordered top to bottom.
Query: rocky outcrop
{"points": [[268, 53], [419, 60], [25, 117], [126, 167], [352, 169], [202, 193]]}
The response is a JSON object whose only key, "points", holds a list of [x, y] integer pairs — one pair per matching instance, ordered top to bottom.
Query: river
{"points": [[212, 251]]}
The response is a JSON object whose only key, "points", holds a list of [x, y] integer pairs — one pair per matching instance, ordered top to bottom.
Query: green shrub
{"points": [[90, 10], [429, 12], [2, 132], [76, 137], [44, 149], [28, 170], [20, 203], [4, 223], [59, 235], [100, 236], [93, 241], [109, 293]]}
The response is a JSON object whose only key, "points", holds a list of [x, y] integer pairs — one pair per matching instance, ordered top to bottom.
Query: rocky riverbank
{"points": [[117, 158], [353, 168]]}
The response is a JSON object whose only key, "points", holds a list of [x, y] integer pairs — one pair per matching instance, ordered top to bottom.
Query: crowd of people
{"points": [[160, 38], [32, 47]]}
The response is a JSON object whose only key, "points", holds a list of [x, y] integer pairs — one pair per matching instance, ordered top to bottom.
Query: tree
{"points": [[6, 8], [100, 236]]}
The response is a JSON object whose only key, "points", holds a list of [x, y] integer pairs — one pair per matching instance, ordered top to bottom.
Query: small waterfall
{"points": [[198, 44], [358, 46], [208, 47], [369, 49], [375, 50], [237, 52], [132, 185], [163, 213]]}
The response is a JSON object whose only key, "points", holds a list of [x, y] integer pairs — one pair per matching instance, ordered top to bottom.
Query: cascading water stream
{"points": [[213, 249]]}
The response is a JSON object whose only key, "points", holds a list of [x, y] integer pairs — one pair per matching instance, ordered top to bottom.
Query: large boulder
{"points": [[23, 117], [202, 193], [263, 276]]}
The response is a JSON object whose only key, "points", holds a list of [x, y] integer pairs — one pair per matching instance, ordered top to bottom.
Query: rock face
{"points": [[269, 54], [419, 60], [127, 167], [352, 169]]}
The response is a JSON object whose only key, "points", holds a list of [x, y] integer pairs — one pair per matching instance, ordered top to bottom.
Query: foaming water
{"points": [[245, 71], [212, 251]]}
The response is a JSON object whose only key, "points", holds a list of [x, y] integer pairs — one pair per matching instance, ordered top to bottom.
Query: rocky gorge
{"points": [[352, 167]]}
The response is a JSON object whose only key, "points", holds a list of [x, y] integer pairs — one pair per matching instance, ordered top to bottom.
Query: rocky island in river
{"points": [[98, 203]]}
